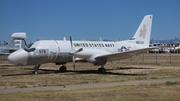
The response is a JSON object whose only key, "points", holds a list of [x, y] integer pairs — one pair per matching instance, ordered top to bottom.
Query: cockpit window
{"points": [[36, 44], [29, 49]]}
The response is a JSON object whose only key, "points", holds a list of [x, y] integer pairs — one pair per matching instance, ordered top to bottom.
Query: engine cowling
{"points": [[91, 54], [91, 59]]}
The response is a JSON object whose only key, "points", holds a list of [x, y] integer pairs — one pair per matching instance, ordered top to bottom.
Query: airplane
{"points": [[17, 42], [61, 52]]}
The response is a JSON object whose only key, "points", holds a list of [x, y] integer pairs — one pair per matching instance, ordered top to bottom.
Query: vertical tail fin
{"points": [[143, 33], [18, 37]]}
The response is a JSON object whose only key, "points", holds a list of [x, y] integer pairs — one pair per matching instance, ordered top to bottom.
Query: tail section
{"points": [[143, 33], [18, 38]]}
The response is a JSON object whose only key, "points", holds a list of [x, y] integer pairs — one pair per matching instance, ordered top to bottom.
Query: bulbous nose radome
{"points": [[18, 57]]}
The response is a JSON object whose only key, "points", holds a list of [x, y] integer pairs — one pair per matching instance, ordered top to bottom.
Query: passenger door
{"points": [[53, 51]]}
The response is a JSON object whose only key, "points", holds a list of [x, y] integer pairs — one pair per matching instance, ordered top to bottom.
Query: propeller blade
{"points": [[25, 43], [71, 43], [79, 50], [72, 53], [74, 62]]}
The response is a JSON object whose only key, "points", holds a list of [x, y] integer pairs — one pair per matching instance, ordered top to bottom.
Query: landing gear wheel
{"points": [[36, 69], [62, 69], [99, 70], [102, 70], [35, 72]]}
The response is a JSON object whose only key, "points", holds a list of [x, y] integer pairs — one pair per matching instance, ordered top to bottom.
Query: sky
{"points": [[87, 19]]}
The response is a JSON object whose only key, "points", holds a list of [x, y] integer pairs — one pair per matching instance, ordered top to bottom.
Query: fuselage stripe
{"points": [[58, 50]]}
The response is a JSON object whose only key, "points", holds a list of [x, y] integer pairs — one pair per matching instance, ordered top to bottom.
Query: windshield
{"points": [[29, 49]]}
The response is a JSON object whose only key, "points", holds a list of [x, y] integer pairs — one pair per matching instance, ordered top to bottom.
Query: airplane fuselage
{"points": [[59, 51]]}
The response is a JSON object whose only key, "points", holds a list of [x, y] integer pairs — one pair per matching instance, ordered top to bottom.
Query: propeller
{"points": [[27, 45], [74, 52]]}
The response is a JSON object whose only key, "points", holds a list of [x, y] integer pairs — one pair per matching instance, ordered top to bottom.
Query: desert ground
{"points": [[142, 77]]}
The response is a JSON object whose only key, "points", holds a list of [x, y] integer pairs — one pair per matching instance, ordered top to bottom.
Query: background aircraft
{"points": [[17, 42], [97, 52]]}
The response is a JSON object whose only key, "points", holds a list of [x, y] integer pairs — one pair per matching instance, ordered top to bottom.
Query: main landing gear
{"points": [[63, 68], [102, 70]]}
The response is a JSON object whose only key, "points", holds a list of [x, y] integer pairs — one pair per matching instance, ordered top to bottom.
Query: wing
{"points": [[123, 55]]}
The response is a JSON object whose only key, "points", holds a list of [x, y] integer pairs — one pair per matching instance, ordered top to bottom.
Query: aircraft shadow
{"points": [[123, 68], [44, 71], [50, 71], [107, 73]]}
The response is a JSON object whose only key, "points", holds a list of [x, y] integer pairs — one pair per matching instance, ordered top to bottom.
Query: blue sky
{"points": [[87, 19]]}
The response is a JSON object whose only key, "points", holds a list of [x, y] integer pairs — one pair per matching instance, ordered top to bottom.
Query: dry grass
{"points": [[154, 59], [136, 68], [21, 77], [158, 92]]}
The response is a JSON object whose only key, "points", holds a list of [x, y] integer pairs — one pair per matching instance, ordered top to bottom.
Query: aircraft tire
{"points": [[62, 69], [99, 70], [102, 70], [35, 72]]}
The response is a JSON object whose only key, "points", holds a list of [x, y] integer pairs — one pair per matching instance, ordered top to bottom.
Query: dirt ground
{"points": [[21, 79], [93, 85]]}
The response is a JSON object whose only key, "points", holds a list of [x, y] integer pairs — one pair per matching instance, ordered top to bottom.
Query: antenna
{"points": [[64, 39], [100, 39]]}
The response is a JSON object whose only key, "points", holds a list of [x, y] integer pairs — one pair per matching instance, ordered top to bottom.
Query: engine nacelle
{"points": [[91, 54], [91, 59]]}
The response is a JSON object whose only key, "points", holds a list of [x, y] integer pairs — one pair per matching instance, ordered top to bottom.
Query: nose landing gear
{"points": [[36, 69]]}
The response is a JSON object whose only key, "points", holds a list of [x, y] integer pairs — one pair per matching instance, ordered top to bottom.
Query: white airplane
{"points": [[97, 52]]}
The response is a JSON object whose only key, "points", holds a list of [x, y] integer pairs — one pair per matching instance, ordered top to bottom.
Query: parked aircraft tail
{"points": [[143, 33], [18, 38]]}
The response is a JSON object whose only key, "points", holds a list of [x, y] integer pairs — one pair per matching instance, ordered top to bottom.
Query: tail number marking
{"points": [[139, 42]]}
